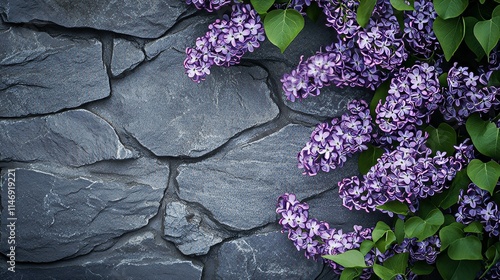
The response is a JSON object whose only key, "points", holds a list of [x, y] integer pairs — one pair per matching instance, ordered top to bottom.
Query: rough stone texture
{"points": [[145, 19], [126, 56], [41, 74], [160, 106], [73, 138], [250, 178], [84, 213], [192, 232], [263, 256], [140, 257]]}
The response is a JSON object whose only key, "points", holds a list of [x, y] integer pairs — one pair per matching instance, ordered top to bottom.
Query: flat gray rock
{"points": [[145, 19], [126, 56], [41, 74], [172, 116], [73, 138], [240, 188], [59, 217], [192, 232], [264, 256], [139, 257]]}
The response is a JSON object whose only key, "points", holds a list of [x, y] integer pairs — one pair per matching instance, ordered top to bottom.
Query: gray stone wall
{"points": [[126, 169]]}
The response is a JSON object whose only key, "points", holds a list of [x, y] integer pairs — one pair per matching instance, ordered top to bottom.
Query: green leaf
{"points": [[401, 5], [262, 6], [450, 8], [364, 11], [496, 12], [282, 26], [450, 33], [487, 33], [470, 39], [494, 78], [380, 95], [485, 136], [442, 138], [368, 158], [484, 175], [449, 197], [396, 207], [474, 227], [381, 228], [423, 228], [399, 230], [449, 234], [366, 246], [465, 248], [492, 257], [351, 258], [398, 263], [422, 268], [457, 270], [383, 272], [350, 273]]}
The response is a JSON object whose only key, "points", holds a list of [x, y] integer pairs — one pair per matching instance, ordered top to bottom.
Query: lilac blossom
{"points": [[208, 5], [418, 34], [226, 41], [467, 93], [414, 94], [331, 143], [406, 174], [476, 204], [425, 250]]}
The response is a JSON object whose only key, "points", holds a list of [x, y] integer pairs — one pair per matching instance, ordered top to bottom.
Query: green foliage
{"points": [[401, 5], [262, 6], [447, 9], [364, 12], [282, 26], [450, 33], [487, 33], [485, 136], [442, 138], [368, 158], [484, 175], [449, 197], [350, 259], [457, 270]]}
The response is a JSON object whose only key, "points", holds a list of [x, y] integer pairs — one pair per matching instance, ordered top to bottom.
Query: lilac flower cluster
{"points": [[208, 5], [298, 5], [341, 15], [418, 34], [226, 41], [467, 93], [414, 95], [332, 142], [406, 174], [477, 205], [315, 237], [426, 250], [494, 272]]}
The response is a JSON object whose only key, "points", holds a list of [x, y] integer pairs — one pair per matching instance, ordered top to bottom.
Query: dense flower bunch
{"points": [[209, 5], [298, 5], [418, 34], [226, 41], [467, 93], [414, 95], [333, 142], [407, 174], [476, 204], [315, 237], [426, 250], [494, 272]]}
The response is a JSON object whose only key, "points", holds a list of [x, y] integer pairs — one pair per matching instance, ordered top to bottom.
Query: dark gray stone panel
{"points": [[145, 19], [126, 56], [41, 74], [73, 138], [240, 187], [60, 217]]}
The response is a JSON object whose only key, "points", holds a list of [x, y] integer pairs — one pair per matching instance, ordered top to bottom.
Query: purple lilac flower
{"points": [[208, 5], [298, 5], [341, 15], [418, 34], [226, 41], [467, 93], [414, 95], [333, 142], [406, 174], [476, 204], [315, 237], [425, 250], [494, 272]]}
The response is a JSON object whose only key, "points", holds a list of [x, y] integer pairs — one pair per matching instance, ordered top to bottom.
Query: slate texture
{"points": [[126, 169]]}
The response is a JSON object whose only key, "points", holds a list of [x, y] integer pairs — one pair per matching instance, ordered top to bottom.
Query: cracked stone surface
{"points": [[144, 19], [126, 56], [41, 74], [73, 138], [126, 169], [245, 179], [83, 212], [192, 232], [133, 259]]}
